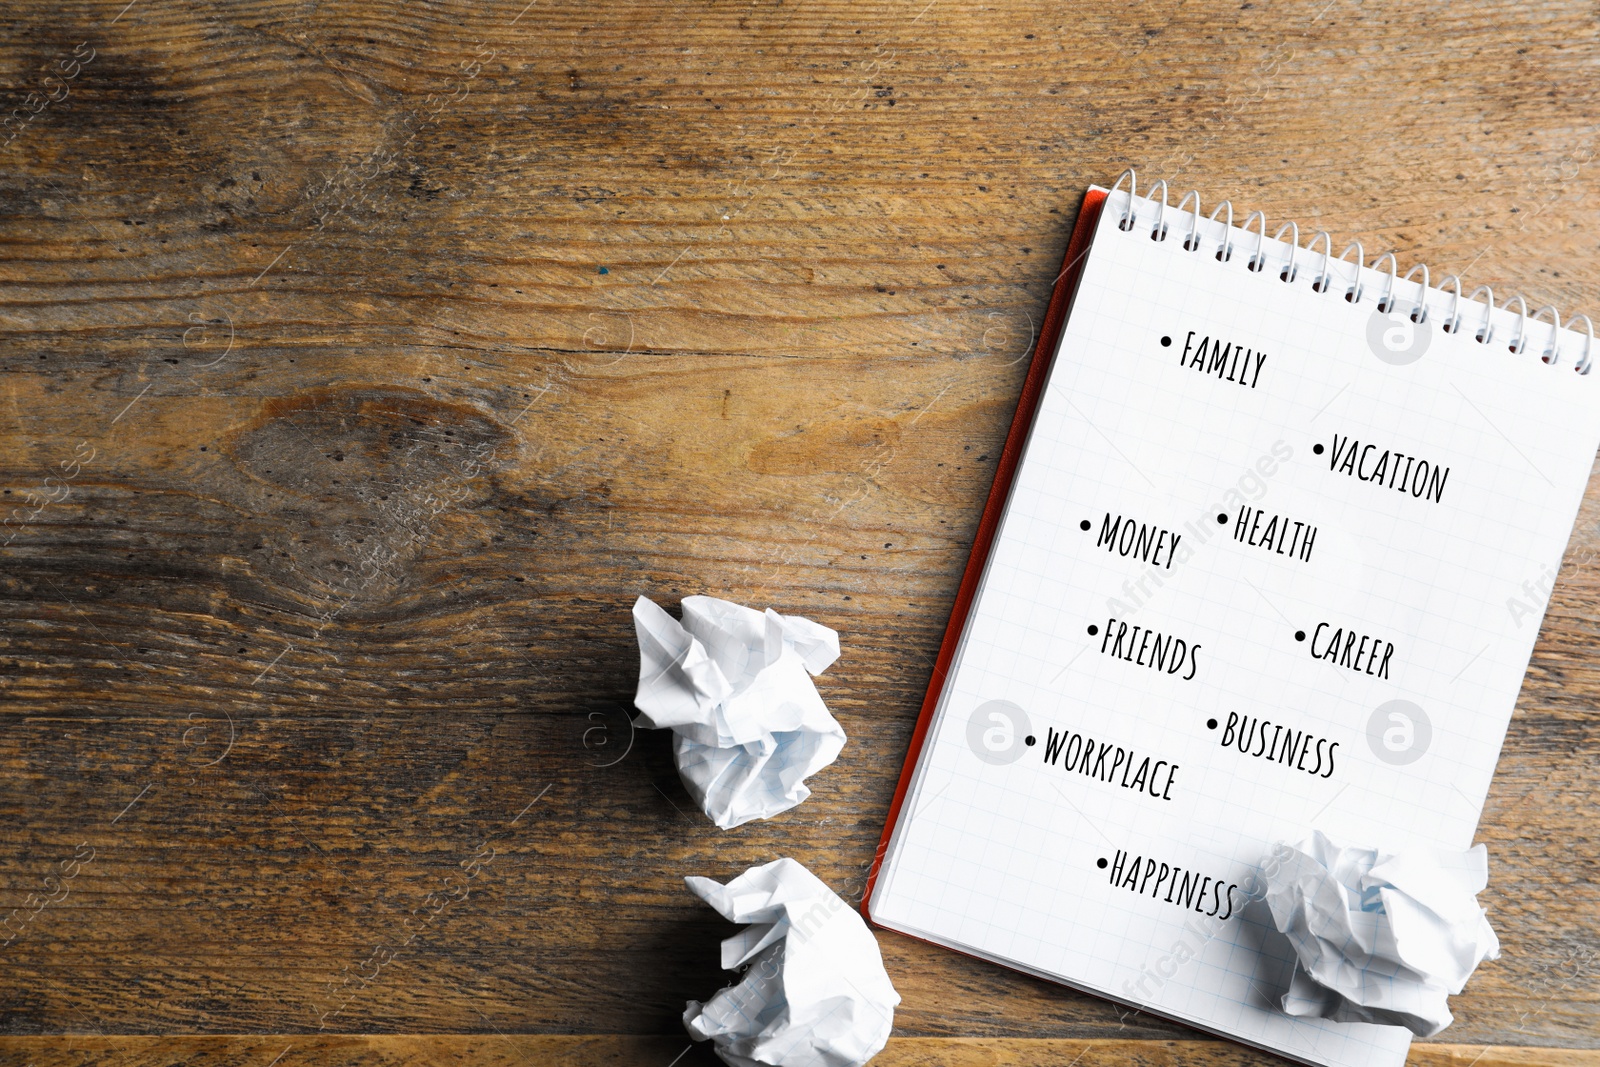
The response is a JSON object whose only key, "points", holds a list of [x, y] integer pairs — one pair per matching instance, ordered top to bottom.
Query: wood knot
{"points": [[356, 481]]}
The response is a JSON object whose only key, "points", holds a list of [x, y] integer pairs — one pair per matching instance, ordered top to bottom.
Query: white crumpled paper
{"points": [[731, 682], [1380, 938], [816, 993]]}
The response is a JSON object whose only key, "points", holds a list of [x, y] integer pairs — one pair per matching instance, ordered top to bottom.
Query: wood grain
{"points": [[394, 347], [606, 1050]]}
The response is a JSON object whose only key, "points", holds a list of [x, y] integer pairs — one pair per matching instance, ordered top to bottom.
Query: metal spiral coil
{"points": [[1321, 278]]}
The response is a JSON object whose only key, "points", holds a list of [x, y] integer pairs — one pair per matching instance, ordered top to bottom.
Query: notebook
{"points": [[1267, 552]]}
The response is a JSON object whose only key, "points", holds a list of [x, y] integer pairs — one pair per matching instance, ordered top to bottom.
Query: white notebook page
{"points": [[1408, 577]]}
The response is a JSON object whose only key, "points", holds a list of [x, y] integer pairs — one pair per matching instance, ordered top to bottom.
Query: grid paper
{"points": [[999, 859]]}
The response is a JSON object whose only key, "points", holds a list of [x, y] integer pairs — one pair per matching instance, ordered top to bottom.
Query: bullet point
{"points": [[1166, 342], [1317, 449], [1222, 520], [1084, 525], [1093, 630], [1299, 635], [1211, 724], [1030, 740], [1101, 863]]}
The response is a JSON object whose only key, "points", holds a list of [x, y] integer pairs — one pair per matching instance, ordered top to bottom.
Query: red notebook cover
{"points": [[1049, 336]]}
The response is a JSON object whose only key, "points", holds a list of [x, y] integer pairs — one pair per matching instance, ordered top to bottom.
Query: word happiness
{"points": [[1230, 362], [1392, 470], [1145, 875]]}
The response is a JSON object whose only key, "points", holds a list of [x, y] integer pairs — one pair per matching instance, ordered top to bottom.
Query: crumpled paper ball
{"points": [[732, 684], [1380, 937], [815, 993]]}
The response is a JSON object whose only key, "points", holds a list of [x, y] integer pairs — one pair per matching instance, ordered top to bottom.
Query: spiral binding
{"points": [[1321, 278]]}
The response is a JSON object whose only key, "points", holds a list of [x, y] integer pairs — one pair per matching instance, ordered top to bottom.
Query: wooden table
{"points": [[364, 361]]}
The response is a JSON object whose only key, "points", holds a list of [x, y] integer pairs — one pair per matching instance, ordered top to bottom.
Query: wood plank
{"points": [[606, 1050]]}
